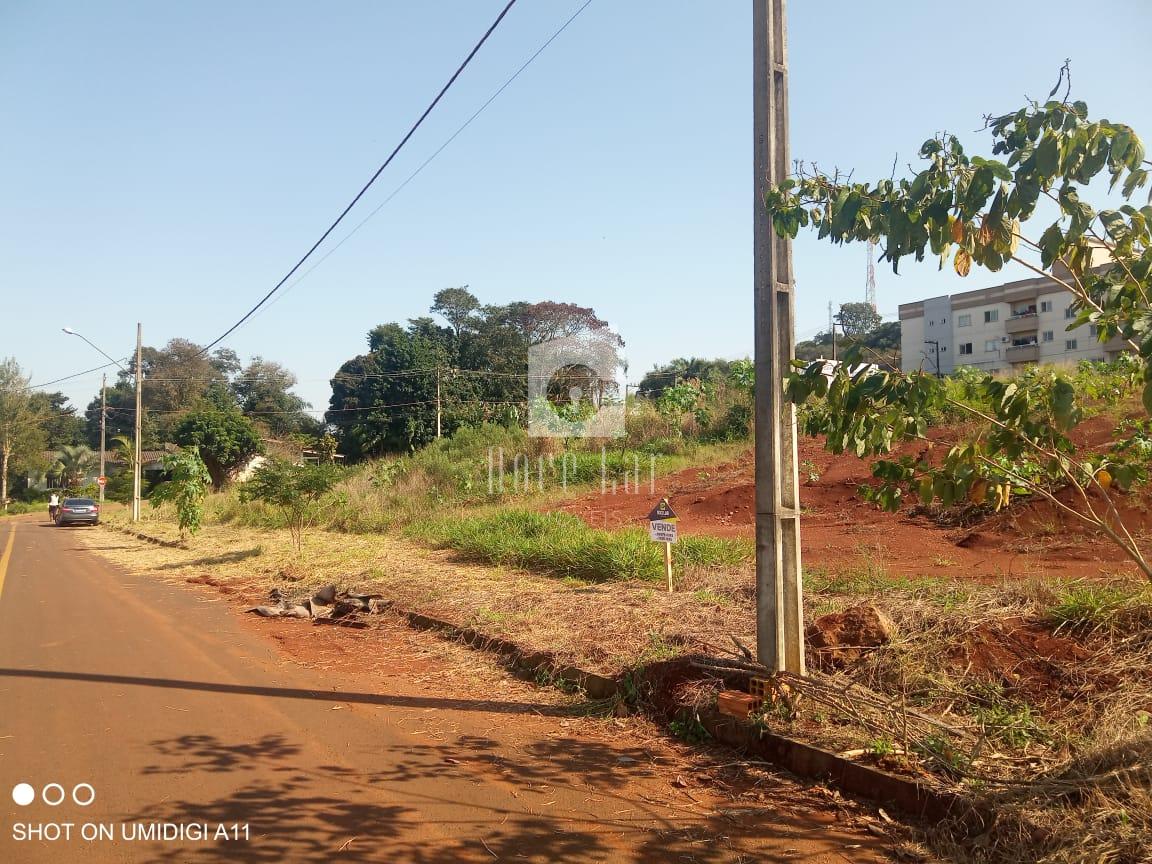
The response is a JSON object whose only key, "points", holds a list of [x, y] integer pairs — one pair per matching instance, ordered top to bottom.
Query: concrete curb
{"points": [[147, 538], [521, 659], [906, 794]]}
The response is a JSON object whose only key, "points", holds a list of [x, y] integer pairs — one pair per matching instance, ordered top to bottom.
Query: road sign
{"points": [[103, 481], [662, 512], [662, 530]]}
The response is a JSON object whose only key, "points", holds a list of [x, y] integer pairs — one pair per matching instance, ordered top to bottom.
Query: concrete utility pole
{"points": [[935, 342], [139, 385], [103, 426], [779, 587]]}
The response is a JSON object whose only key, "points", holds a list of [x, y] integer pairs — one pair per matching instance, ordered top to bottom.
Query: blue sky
{"points": [[168, 162]]}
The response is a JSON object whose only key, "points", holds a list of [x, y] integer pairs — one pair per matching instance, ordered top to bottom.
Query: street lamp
{"points": [[104, 415]]}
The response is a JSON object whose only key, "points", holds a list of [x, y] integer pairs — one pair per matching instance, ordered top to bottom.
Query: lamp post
{"points": [[104, 415]]}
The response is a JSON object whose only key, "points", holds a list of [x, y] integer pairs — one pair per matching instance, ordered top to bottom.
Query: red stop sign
{"points": [[103, 481]]}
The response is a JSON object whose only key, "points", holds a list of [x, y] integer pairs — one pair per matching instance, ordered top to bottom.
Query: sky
{"points": [[167, 163]]}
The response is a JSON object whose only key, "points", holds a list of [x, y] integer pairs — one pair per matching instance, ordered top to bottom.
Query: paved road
{"points": [[176, 713]]}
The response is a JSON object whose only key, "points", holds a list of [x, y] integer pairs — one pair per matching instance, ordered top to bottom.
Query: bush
{"points": [[296, 490]]}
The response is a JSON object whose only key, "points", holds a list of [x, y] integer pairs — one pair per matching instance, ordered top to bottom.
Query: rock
{"points": [[346, 607], [267, 611], [296, 612], [844, 637]]}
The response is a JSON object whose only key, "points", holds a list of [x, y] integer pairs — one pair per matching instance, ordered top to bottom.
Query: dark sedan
{"points": [[78, 511]]}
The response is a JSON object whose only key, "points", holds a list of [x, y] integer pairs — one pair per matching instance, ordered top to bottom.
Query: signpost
{"points": [[103, 481], [662, 529]]}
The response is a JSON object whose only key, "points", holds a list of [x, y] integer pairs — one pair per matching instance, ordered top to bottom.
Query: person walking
{"points": [[53, 506]]}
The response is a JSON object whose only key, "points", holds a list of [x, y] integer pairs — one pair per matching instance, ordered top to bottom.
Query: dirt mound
{"points": [[841, 531], [841, 638], [1028, 660]]}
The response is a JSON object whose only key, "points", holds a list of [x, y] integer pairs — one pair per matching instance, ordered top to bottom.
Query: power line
{"points": [[436, 152], [367, 185], [70, 377]]}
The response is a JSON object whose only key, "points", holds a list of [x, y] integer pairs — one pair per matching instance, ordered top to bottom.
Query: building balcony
{"points": [[1027, 322], [1022, 353]]}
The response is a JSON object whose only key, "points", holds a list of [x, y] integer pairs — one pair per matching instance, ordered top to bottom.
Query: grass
{"points": [[19, 508], [560, 544], [1122, 608]]}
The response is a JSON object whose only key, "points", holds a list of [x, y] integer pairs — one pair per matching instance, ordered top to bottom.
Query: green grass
{"points": [[19, 508], [560, 544], [1086, 606]]}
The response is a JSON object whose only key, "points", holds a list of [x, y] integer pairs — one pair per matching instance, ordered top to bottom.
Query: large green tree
{"points": [[263, 392], [385, 400], [61, 425], [22, 437], [226, 440]]}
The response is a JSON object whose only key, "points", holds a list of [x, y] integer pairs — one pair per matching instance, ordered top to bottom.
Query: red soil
{"points": [[839, 530]]}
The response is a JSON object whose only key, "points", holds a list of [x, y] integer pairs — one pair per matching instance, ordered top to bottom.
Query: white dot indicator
{"points": [[23, 794], [59, 795], [91, 795]]}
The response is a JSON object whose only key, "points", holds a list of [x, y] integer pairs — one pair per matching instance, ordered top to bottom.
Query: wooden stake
{"points": [[668, 564]]}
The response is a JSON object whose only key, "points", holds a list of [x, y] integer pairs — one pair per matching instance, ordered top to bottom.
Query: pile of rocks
{"points": [[326, 604]]}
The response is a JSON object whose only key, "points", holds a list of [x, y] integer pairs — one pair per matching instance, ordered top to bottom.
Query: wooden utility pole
{"points": [[103, 426], [136, 461], [779, 587]]}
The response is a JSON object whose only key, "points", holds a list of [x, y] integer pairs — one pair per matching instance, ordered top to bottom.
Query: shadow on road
{"points": [[226, 558], [298, 693], [562, 800]]}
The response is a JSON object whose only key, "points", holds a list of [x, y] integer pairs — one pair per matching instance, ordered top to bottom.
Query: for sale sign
{"points": [[662, 531]]}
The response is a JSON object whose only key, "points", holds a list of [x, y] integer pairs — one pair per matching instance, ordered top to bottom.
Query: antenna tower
{"points": [[870, 289]]}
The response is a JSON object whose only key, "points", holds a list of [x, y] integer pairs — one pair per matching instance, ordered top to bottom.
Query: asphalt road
{"points": [[174, 713]]}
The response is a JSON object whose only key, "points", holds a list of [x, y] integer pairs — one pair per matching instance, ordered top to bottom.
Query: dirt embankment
{"points": [[841, 531]]}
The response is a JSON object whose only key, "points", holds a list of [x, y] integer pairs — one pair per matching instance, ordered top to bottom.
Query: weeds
{"points": [[560, 544], [1109, 608], [687, 727]]}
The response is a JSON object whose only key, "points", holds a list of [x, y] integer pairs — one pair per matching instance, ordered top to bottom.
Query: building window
{"points": [[1045, 305], [1069, 313], [991, 316], [964, 321], [931, 323], [1093, 331], [1048, 336], [1069, 344], [990, 346], [966, 348]]}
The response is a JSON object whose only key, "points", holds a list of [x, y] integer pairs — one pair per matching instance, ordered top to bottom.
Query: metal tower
{"points": [[870, 289]]}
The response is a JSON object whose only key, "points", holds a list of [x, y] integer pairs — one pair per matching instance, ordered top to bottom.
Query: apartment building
{"points": [[998, 328]]}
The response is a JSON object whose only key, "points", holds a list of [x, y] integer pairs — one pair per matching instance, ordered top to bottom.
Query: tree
{"points": [[974, 211], [458, 306], [858, 319], [653, 383], [262, 391], [60, 423], [21, 435], [225, 440], [74, 463], [185, 489], [296, 490]]}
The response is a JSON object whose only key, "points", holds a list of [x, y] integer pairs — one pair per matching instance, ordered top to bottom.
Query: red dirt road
{"points": [[840, 531], [176, 710]]}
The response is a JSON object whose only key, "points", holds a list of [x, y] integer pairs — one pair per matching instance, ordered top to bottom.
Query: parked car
{"points": [[78, 511]]}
